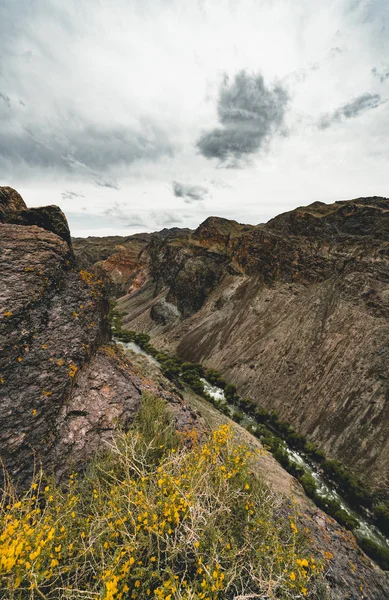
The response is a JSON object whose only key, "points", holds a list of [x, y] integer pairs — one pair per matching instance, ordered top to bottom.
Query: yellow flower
{"points": [[293, 527], [302, 563], [292, 576]]}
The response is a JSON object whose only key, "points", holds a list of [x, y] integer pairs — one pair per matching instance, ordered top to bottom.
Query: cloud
{"points": [[382, 75], [5, 99], [73, 109], [351, 110], [249, 113], [89, 150], [82, 169], [189, 193], [69, 195], [123, 216], [164, 218]]}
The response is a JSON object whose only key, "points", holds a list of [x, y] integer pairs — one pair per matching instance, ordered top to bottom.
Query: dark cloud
{"points": [[351, 110], [249, 113], [87, 150], [189, 193]]}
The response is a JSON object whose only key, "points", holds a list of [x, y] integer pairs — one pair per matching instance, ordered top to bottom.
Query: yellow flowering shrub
{"points": [[154, 518]]}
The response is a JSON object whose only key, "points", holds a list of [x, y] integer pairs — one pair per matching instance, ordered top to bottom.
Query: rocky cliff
{"points": [[120, 261], [295, 312], [63, 389]]}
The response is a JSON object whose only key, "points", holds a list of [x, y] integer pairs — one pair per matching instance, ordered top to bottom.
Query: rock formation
{"points": [[61, 394]]}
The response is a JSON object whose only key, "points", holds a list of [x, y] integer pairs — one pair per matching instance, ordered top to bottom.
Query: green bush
{"points": [[194, 368], [171, 369], [215, 378], [231, 393], [247, 405], [238, 415], [261, 415], [296, 440], [314, 452], [309, 485], [353, 489], [381, 518], [378, 553]]}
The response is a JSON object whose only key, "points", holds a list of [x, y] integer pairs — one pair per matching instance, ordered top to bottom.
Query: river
{"points": [[365, 528]]}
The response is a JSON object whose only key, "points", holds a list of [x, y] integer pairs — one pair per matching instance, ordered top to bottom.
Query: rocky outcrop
{"points": [[10, 203], [14, 210], [164, 312], [295, 313], [52, 318], [107, 394], [61, 396]]}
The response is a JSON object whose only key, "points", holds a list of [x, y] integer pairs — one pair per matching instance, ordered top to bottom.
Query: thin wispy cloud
{"points": [[351, 110], [69, 195], [165, 218]]}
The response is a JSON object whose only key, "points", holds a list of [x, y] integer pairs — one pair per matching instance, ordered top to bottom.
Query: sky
{"points": [[135, 115]]}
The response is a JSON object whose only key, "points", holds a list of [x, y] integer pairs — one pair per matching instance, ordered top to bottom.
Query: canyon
{"points": [[293, 312]]}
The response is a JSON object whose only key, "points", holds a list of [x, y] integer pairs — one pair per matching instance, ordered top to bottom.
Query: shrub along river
{"points": [[316, 482], [323, 488]]}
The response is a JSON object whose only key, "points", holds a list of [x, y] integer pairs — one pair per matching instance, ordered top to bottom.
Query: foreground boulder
{"points": [[14, 210], [60, 396]]}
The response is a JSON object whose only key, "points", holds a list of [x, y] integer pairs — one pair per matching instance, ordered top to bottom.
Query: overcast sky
{"points": [[135, 115]]}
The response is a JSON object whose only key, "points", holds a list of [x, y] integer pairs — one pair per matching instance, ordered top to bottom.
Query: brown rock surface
{"points": [[14, 210], [51, 320], [107, 395], [60, 396]]}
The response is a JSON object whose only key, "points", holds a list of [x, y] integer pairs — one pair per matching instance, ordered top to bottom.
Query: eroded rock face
{"points": [[120, 261], [164, 312], [297, 317], [52, 318], [61, 394], [107, 394]]}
